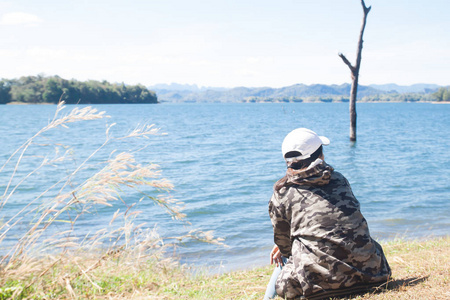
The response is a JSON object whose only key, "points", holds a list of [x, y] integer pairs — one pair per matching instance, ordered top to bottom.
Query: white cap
{"points": [[304, 141]]}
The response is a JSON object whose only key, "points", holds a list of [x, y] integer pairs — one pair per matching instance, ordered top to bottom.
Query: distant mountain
{"points": [[175, 87], [182, 87], [415, 88], [321, 90], [297, 92], [294, 93]]}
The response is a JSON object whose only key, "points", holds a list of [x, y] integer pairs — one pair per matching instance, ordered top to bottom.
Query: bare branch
{"points": [[365, 8], [360, 39], [352, 68], [355, 72]]}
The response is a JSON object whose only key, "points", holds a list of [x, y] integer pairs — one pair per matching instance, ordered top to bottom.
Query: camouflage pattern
{"points": [[318, 225]]}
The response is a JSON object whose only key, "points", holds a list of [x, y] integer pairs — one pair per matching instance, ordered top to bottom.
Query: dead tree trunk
{"points": [[354, 70]]}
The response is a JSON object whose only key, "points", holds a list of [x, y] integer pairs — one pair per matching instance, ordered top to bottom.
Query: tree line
{"points": [[41, 89], [443, 94]]}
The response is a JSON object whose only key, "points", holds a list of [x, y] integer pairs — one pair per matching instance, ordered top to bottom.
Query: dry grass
{"points": [[50, 258], [420, 271]]}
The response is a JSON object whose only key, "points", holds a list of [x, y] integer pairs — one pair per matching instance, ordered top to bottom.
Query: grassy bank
{"points": [[420, 271]]}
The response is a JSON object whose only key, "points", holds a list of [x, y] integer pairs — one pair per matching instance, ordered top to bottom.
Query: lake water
{"points": [[224, 159]]}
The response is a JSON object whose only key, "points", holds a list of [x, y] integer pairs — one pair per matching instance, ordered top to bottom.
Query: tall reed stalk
{"points": [[42, 242]]}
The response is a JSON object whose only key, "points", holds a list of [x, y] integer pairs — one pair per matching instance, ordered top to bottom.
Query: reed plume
{"points": [[47, 225]]}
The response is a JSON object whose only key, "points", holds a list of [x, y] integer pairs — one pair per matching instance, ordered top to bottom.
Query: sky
{"points": [[225, 43]]}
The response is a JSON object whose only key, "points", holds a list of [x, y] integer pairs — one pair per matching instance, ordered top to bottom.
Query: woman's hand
{"points": [[275, 256]]}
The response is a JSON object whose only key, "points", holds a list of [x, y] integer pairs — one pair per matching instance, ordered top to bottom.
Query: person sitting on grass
{"points": [[323, 247]]}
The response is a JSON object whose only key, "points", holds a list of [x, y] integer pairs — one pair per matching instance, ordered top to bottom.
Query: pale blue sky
{"points": [[225, 42]]}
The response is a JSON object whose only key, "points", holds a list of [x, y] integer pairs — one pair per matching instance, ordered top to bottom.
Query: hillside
{"points": [[415, 88], [50, 90], [294, 93]]}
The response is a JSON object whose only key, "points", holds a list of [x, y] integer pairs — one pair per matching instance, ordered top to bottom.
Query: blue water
{"points": [[224, 159]]}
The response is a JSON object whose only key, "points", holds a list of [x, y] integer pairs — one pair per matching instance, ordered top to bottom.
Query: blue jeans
{"points": [[270, 291]]}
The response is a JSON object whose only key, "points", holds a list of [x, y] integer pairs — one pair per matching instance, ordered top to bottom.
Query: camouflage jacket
{"points": [[318, 225]]}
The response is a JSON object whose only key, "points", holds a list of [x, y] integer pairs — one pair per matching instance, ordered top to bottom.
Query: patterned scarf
{"points": [[318, 173]]}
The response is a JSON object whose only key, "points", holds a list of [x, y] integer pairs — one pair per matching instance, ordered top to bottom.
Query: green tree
{"points": [[5, 89], [37, 89], [53, 91], [442, 94], [446, 95]]}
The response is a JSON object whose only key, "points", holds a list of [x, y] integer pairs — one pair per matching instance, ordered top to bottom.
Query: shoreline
{"points": [[242, 102], [22, 103], [263, 259], [420, 269]]}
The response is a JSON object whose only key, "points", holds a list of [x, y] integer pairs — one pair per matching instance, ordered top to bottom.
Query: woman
{"points": [[318, 227]]}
